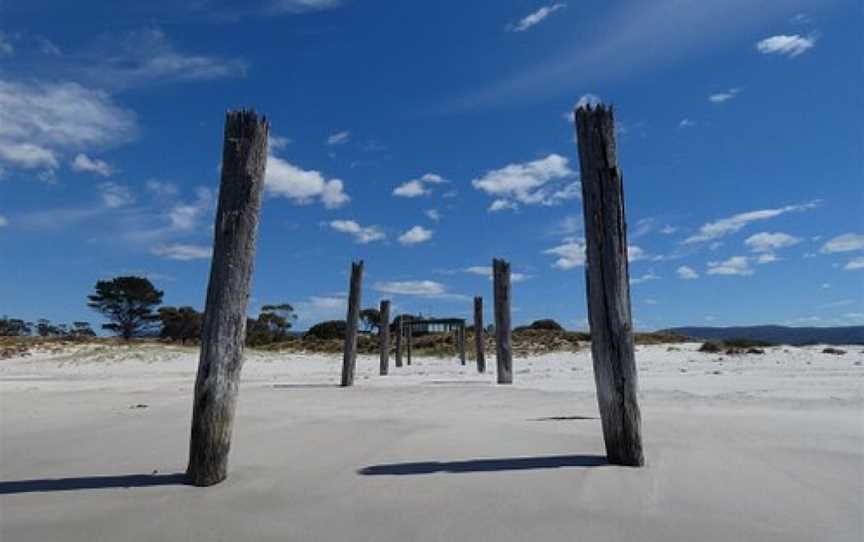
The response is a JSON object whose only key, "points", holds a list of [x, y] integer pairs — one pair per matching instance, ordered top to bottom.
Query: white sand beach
{"points": [[93, 440]]}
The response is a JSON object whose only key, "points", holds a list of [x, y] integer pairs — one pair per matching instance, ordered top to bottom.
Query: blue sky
{"points": [[428, 138]]}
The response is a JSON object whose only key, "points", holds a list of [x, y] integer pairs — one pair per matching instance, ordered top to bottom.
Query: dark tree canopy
{"points": [[128, 303], [180, 324], [546, 324], [271, 326], [14, 327], [333, 329]]}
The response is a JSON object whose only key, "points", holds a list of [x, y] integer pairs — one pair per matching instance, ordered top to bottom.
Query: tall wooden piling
{"points": [[608, 286], [223, 332], [410, 332], [384, 336], [399, 343], [462, 344], [479, 346], [503, 348], [349, 355]]}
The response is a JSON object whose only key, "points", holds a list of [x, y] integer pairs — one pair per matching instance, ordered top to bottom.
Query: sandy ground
{"points": [[739, 448]]}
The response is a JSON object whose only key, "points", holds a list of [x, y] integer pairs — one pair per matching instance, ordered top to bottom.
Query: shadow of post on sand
{"points": [[486, 465], [92, 482]]}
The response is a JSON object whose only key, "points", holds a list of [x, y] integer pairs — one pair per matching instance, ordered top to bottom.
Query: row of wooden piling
{"points": [[224, 327], [503, 332]]}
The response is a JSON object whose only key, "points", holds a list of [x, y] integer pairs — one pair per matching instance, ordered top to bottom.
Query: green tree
{"points": [[128, 303], [180, 324], [271, 326]]}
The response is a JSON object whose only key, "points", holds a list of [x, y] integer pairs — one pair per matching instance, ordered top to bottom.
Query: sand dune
{"points": [[753, 447]]}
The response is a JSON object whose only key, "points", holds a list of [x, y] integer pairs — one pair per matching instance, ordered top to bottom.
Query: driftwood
{"points": [[244, 158], [608, 286], [384, 336], [503, 346], [479, 347], [349, 355]]}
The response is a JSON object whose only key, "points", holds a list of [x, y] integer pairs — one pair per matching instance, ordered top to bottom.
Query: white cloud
{"points": [[300, 6], [536, 17], [782, 44], [144, 56], [720, 97], [39, 121], [686, 123], [339, 138], [278, 142], [27, 156], [83, 162], [540, 182], [302, 186], [418, 187], [161, 189], [115, 195], [502, 205], [432, 214], [187, 216], [3, 221], [732, 224], [668, 230], [361, 234], [415, 236], [769, 242], [847, 242], [182, 252], [634, 253], [570, 254], [767, 257], [855, 263], [736, 265], [486, 271], [687, 273], [644, 278], [411, 287], [316, 309]]}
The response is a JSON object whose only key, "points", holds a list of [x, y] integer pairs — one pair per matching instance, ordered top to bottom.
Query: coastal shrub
{"points": [[333, 329]]}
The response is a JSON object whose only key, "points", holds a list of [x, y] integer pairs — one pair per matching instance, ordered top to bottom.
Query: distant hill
{"points": [[795, 336]]}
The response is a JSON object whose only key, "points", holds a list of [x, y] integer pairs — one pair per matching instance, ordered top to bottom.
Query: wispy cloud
{"points": [[535, 18], [790, 46], [148, 56], [725, 96], [39, 121], [339, 138], [84, 163], [547, 181], [418, 187], [115, 195], [734, 223], [361, 234], [848, 242], [182, 252], [571, 254], [855, 264], [736, 265], [486, 271], [687, 273], [647, 277], [419, 288]]}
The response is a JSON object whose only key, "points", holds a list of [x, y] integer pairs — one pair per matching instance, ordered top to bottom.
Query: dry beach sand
{"points": [[750, 447]]}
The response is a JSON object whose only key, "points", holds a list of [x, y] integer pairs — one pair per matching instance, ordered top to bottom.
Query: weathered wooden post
{"points": [[608, 286], [223, 333], [384, 336], [410, 340], [399, 343], [462, 343], [479, 347], [503, 348], [349, 355]]}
